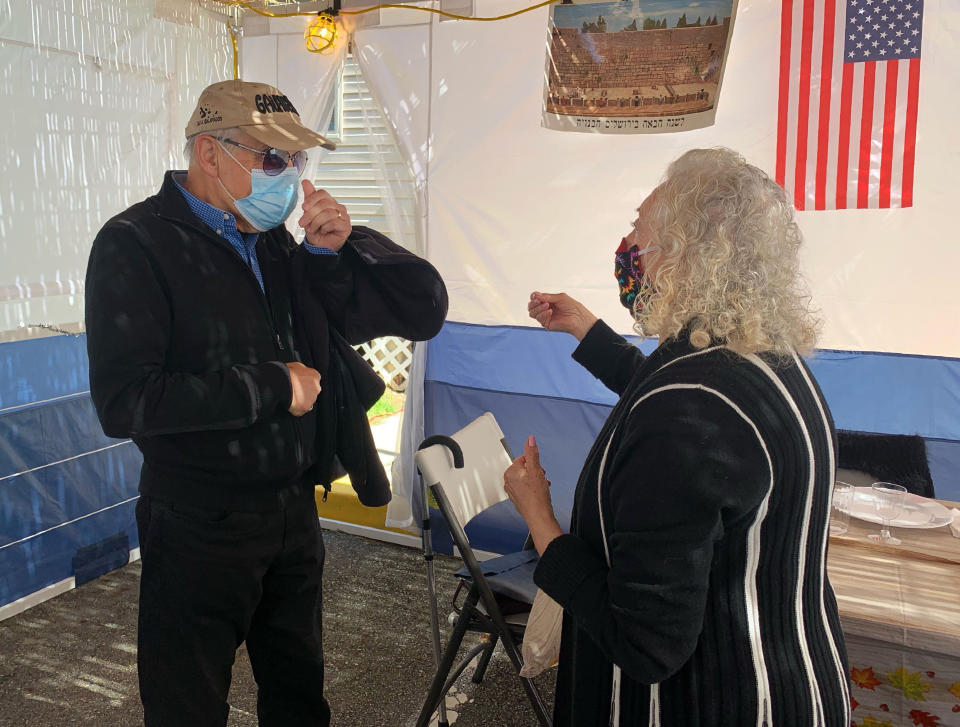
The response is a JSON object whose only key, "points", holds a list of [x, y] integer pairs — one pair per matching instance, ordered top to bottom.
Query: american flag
{"points": [[847, 115]]}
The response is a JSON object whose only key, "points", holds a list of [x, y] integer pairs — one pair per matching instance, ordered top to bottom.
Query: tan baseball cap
{"points": [[261, 110]]}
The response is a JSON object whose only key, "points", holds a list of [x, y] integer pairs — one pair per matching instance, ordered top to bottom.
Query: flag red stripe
{"points": [[786, 29], [830, 103], [803, 107], [889, 121], [866, 127], [823, 131], [910, 134], [843, 136]]}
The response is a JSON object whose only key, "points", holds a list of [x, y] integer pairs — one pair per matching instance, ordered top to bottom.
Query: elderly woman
{"points": [[693, 578]]}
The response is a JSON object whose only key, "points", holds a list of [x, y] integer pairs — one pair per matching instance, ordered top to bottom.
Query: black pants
{"points": [[214, 579]]}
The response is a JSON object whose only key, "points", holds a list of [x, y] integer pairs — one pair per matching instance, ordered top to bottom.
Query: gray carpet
{"points": [[72, 660]]}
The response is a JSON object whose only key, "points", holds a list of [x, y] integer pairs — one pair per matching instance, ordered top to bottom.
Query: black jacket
{"points": [[187, 353], [693, 579]]}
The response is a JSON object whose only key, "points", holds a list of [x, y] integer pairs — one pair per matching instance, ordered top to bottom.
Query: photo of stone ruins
{"points": [[648, 71]]}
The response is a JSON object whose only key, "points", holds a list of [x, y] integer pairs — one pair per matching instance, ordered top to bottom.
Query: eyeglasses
{"points": [[274, 160]]}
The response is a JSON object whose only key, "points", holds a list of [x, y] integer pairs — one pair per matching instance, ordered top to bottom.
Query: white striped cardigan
{"points": [[693, 578]]}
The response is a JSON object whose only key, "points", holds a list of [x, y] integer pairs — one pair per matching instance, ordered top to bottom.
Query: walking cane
{"points": [[427, 541]]}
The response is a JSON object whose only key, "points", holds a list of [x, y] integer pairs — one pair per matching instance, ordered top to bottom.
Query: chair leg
{"points": [[485, 660], [436, 693], [536, 701]]}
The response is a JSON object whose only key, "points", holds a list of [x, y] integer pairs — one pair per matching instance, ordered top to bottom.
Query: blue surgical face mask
{"points": [[271, 198]]}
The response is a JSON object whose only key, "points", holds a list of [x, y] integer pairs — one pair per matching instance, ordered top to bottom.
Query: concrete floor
{"points": [[72, 660]]}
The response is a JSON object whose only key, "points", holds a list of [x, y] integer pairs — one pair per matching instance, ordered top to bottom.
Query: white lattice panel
{"points": [[391, 358]]}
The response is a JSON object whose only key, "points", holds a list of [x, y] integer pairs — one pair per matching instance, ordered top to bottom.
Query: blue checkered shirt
{"points": [[225, 225]]}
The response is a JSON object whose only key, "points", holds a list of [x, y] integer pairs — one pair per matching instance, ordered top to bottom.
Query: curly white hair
{"points": [[727, 263]]}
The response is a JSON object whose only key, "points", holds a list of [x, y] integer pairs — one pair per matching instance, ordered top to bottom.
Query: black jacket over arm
{"points": [[373, 288], [187, 353], [693, 577]]}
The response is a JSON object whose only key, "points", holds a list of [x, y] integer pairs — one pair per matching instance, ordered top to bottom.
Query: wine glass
{"points": [[888, 500], [840, 508]]}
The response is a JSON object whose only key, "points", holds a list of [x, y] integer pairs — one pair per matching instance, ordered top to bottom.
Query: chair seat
{"points": [[510, 575], [514, 619]]}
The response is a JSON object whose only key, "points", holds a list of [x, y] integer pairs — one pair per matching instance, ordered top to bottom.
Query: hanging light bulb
{"points": [[321, 34]]}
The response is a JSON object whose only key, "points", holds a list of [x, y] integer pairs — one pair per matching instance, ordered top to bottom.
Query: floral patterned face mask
{"points": [[630, 276]]}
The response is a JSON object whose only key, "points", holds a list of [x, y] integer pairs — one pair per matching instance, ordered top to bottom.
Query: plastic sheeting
{"points": [[398, 75], [396, 80], [96, 97], [527, 378], [891, 393], [63, 484]]}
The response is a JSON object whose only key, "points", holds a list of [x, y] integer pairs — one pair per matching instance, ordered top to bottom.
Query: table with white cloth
{"points": [[900, 611]]}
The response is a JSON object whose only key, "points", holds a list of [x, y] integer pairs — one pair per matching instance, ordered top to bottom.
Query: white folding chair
{"points": [[464, 473]]}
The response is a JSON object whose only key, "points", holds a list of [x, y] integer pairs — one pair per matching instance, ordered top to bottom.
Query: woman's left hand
{"points": [[528, 488]]}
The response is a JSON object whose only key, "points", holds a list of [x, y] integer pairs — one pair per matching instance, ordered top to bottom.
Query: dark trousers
{"points": [[214, 579]]}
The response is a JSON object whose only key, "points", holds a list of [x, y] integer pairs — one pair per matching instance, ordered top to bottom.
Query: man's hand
{"points": [[325, 220], [560, 312], [305, 384], [528, 488]]}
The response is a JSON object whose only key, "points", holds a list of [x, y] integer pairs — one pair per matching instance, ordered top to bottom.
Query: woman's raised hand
{"points": [[560, 312]]}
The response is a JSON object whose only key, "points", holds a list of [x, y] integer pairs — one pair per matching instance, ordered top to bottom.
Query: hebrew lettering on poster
{"points": [[636, 66]]}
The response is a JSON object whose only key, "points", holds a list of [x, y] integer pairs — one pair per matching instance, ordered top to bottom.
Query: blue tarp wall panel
{"points": [[525, 376], [63, 484]]}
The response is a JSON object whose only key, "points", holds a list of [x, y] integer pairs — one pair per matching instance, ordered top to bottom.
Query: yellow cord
{"points": [[258, 11], [268, 14], [446, 14], [236, 56]]}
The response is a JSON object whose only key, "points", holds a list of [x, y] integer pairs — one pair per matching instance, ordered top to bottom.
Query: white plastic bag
{"points": [[541, 639]]}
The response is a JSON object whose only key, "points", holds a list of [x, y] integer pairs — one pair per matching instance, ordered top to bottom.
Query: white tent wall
{"points": [[396, 78], [96, 95], [513, 207]]}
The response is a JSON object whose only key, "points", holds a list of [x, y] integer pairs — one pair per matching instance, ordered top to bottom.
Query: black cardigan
{"points": [[187, 354], [693, 577]]}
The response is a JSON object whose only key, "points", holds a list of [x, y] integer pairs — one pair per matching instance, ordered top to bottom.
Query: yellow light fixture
{"points": [[321, 34]]}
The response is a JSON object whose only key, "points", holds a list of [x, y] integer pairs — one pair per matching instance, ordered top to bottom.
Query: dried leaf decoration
{"points": [[864, 678], [912, 686], [924, 719], [871, 721]]}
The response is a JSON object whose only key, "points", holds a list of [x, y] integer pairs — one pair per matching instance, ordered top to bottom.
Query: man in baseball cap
{"points": [[247, 145], [209, 331]]}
